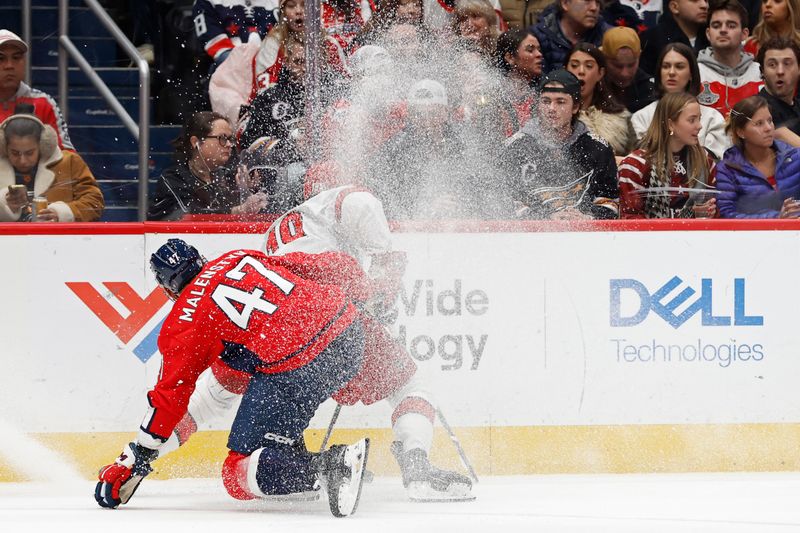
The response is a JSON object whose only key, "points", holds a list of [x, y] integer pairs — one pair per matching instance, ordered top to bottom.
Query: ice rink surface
{"points": [[652, 503]]}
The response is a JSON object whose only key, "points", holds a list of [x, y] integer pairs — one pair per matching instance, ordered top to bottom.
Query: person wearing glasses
{"points": [[203, 178]]}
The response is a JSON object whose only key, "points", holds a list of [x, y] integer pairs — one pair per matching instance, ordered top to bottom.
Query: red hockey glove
{"points": [[118, 481]]}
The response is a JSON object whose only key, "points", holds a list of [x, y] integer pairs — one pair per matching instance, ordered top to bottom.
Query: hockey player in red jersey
{"points": [[351, 220], [290, 324]]}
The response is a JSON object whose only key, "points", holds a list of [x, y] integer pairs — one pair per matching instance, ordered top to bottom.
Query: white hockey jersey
{"points": [[346, 219]]}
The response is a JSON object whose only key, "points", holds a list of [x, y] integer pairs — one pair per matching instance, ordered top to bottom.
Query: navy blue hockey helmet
{"points": [[175, 264]]}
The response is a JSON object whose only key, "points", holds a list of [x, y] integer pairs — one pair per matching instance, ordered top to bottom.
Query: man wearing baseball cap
{"points": [[629, 83], [13, 91], [554, 166]]}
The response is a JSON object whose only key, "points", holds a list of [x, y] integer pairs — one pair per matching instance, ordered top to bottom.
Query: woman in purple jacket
{"points": [[759, 176]]}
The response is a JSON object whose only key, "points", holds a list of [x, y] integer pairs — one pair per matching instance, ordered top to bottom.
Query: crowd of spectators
{"points": [[467, 109], [42, 178]]}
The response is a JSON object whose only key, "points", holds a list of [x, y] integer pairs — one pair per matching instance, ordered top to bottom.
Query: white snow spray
{"points": [[425, 161], [33, 459]]}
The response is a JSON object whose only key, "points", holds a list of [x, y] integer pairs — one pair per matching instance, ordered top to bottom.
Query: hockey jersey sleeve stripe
{"points": [[218, 44]]}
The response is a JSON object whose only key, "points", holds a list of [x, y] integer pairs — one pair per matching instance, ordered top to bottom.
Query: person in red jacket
{"points": [[13, 91], [287, 322]]}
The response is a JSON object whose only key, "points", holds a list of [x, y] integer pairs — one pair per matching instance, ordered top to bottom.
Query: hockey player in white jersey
{"points": [[350, 219]]}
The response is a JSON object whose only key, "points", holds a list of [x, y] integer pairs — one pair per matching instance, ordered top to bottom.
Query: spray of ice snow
{"points": [[425, 161], [34, 460]]}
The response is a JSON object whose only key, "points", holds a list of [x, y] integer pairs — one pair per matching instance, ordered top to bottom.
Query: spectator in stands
{"points": [[391, 13], [522, 13], [438, 15], [779, 18], [342, 21], [475, 22], [571, 22], [683, 22], [221, 26], [409, 44], [413, 48], [272, 53], [520, 57], [779, 58], [255, 67], [677, 72], [727, 74], [628, 83], [13, 91], [278, 111], [600, 111], [370, 112], [670, 156], [32, 165], [555, 168], [426, 172], [416, 173], [759, 177], [202, 181]]}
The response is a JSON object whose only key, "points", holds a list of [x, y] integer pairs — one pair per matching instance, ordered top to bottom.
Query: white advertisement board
{"points": [[512, 329]]}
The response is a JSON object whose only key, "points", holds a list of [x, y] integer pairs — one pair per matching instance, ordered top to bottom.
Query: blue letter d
{"points": [[618, 321]]}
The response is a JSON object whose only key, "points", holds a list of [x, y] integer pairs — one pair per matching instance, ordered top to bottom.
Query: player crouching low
{"points": [[351, 220], [287, 323]]}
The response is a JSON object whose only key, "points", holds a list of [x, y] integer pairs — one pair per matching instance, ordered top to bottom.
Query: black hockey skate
{"points": [[341, 470], [426, 483]]}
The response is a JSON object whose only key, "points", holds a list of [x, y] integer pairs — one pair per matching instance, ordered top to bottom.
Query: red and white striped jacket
{"points": [[723, 86], [636, 179]]}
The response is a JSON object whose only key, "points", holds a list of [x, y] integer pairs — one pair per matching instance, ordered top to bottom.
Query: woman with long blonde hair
{"points": [[779, 18], [669, 159]]}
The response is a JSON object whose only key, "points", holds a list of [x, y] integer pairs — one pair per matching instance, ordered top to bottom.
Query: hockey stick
{"points": [[330, 427], [457, 444]]}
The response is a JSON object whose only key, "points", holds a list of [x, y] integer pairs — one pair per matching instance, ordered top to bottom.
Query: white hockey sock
{"points": [[414, 431]]}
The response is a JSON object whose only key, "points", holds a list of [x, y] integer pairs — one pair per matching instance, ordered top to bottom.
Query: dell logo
{"points": [[667, 309]]}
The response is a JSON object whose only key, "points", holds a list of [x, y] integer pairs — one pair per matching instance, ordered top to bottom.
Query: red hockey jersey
{"points": [[265, 314]]}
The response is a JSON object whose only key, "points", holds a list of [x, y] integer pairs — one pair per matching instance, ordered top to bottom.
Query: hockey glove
{"points": [[118, 481]]}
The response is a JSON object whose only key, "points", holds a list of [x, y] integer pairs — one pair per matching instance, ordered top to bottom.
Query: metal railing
{"points": [[26, 36], [67, 50], [313, 81]]}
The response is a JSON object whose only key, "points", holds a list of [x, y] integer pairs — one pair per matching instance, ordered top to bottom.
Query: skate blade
{"points": [[424, 493], [307, 496], [344, 499]]}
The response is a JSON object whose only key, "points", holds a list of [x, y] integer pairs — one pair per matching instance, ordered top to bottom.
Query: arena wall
{"points": [[551, 348]]}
